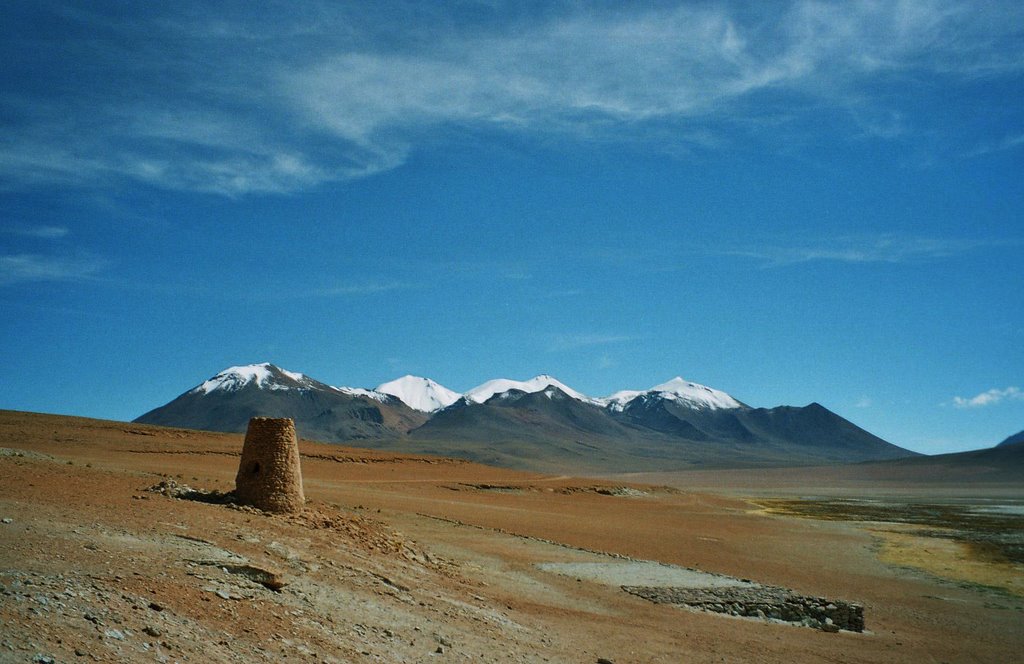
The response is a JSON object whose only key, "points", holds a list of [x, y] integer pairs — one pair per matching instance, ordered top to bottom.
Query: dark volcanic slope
{"points": [[320, 411], [540, 416], [546, 430], [550, 430], [810, 432], [819, 432], [1015, 439], [996, 465]]}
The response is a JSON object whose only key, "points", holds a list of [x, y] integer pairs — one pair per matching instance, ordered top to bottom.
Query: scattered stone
{"points": [[26, 454], [170, 488], [620, 491], [7, 519], [267, 578], [761, 602], [156, 607], [152, 631], [114, 634], [440, 650], [604, 660]]}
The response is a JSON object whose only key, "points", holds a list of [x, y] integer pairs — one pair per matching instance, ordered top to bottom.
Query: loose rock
{"points": [[761, 602]]}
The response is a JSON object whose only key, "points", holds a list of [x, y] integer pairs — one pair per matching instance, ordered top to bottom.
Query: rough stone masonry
{"points": [[269, 476], [758, 601]]}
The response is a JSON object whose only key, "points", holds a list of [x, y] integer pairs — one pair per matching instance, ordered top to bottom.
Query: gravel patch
{"points": [[643, 573]]}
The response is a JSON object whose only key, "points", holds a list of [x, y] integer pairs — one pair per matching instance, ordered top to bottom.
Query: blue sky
{"points": [[791, 202]]}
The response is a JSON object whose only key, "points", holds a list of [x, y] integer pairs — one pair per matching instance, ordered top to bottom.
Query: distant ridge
{"points": [[539, 423], [1015, 439]]}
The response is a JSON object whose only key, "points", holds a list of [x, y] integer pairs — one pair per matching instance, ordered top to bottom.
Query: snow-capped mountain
{"points": [[263, 375], [269, 377], [419, 393], [482, 393], [686, 393], [692, 395], [428, 396], [226, 401], [536, 423]]}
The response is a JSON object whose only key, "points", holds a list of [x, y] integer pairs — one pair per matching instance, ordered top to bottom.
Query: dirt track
{"points": [[410, 559]]}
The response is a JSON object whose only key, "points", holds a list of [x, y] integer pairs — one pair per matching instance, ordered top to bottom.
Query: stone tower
{"points": [[269, 476]]}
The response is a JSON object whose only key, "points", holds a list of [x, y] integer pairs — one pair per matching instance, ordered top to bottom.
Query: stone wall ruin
{"points": [[758, 601]]}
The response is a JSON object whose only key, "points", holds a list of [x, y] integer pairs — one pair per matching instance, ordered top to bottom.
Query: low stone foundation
{"points": [[761, 602]]}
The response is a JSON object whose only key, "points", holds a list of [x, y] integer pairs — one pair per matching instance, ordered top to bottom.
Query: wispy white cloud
{"points": [[280, 100], [1010, 142], [39, 232], [882, 248], [18, 268], [504, 269], [362, 288], [563, 293], [564, 342], [989, 398], [863, 402]]}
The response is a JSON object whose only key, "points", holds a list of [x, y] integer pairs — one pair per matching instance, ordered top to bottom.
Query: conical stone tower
{"points": [[269, 476]]}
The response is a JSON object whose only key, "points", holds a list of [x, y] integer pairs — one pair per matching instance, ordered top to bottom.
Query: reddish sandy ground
{"points": [[409, 559]]}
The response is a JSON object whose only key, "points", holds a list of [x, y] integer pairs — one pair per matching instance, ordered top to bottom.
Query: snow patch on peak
{"points": [[263, 375], [294, 375], [235, 378], [680, 390], [361, 392], [551, 392], [482, 393], [422, 394], [696, 394]]}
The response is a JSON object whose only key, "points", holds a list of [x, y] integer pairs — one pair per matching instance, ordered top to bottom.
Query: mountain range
{"points": [[538, 424]]}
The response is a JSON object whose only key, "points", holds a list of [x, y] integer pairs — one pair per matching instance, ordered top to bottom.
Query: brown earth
{"points": [[401, 558]]}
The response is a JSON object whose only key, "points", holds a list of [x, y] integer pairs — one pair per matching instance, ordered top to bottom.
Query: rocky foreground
{"points": [[121, 543]]}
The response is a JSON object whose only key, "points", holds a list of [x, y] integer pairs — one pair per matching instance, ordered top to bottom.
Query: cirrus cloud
{"points": [[215, 99], [37, 232], [879, 248], [19, 268], [566, 342]]}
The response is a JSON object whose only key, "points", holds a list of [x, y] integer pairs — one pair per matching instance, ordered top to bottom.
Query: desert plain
{"points": [[106, 555]]}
